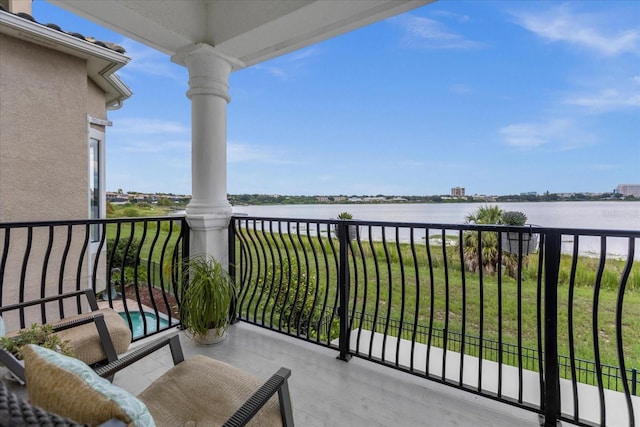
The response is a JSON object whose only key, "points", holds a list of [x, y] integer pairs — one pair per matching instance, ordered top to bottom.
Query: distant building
{"points": [[628, 190], [457, 192]]}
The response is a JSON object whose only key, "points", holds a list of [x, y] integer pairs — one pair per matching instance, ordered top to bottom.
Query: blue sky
{"points": [[497, 97]]}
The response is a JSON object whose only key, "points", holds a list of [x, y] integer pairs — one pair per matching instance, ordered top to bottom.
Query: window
{"points": [[94, 186], [97, 208]]}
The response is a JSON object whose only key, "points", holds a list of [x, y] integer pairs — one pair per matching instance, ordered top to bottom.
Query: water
{"points": [[582, 215], [593, 215], [138, 326]]}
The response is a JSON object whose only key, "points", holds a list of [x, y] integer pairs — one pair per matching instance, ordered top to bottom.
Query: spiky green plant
{"points": [[513, 218], [208, 296]]}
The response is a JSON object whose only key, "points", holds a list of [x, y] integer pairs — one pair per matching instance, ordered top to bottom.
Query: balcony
{"points": [[431, 321]]}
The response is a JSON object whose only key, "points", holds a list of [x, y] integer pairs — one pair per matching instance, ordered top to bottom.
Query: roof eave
{"points": [[102, 63]]}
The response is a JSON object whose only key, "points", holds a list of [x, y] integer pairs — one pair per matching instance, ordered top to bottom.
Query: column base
{"points": [[210, 235]]}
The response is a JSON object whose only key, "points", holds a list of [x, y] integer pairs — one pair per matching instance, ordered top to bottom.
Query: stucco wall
{"points": [[45, 99], [95, 102], [43, 133]]}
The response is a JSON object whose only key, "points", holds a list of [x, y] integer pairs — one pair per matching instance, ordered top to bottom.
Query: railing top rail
{"points": [[88, 221], [481, 227]]}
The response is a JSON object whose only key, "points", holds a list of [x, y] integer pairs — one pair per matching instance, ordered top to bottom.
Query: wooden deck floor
{"points": [[329, 392]]}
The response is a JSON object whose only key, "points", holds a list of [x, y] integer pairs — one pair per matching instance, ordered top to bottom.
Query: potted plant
{"points": [[345, 216], [511, 239], [205, 309], [11, 347]]}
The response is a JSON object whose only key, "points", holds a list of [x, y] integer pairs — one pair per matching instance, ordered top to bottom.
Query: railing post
{"points": [[232, 266], [343, 288], [551, 404]]}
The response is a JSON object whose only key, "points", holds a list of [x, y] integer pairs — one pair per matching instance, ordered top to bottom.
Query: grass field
{"points": [[399, 282]]}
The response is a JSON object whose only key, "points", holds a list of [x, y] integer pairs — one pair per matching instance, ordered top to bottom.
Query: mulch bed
{"points": [[160, 304]]}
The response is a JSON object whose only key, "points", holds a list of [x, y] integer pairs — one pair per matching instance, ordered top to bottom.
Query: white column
{"points": [[209, 212]]}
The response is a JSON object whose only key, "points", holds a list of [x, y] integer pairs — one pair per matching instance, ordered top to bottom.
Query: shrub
{"points": [[130, 212], [513, 218], [117, 253], [41, 335]]}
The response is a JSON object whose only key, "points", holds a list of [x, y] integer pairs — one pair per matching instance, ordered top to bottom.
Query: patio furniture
{"points": [[96, 336], [196, 391]]}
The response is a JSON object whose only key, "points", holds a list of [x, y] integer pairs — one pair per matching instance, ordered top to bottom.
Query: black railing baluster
{"points": [[376, 265], [23, 273], [43, 281], [343, 286], [447, 295], [402, 296], [431, 304], [416, 314], [481, 320], [539, 320], [463, 327], [595, 328], [619, 347], [572, 349], [500, 355], [551, 402]]}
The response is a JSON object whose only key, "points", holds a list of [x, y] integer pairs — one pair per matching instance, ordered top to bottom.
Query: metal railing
{"points": [[131, 264], [440, 301]]}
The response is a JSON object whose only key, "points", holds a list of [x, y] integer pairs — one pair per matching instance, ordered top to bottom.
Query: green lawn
{"points": [[396, 280]]}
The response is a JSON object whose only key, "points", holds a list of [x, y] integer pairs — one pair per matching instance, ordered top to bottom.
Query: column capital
{"points": [[208, 70]]}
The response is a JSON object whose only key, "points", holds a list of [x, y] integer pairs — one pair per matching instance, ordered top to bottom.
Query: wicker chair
{"points": [[96, 336], [196, 391]]}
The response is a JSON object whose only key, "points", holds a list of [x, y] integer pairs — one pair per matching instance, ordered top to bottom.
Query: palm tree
{"points": [[488, 244]]}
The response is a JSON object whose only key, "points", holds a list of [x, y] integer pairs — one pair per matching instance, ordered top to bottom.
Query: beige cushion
{"points": [[85, 339], [70, 388], [204, 391]]}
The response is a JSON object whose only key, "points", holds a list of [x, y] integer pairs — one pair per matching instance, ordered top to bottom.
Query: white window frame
{"points": [[96, 136]]}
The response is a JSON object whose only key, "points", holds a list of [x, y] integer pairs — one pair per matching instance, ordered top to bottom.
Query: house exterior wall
{"points": [[46, 98], [43, 136]]}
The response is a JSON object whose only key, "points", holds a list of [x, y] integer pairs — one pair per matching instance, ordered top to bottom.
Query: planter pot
{"points": [[352, 232], [510, 242], [213, 336]]}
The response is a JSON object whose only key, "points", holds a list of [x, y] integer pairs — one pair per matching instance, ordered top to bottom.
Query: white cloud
{"points": [[460, 18], [560, 24], [430, 34], [145, 60], [287, 66], [614, 94], [606, 100], [145, 126], [559, 133], [155, 146], [246, 153]]}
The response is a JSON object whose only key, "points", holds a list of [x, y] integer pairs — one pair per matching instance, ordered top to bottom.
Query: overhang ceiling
{"points": [[246, 31]]}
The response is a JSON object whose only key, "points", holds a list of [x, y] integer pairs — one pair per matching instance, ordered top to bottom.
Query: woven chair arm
{"points": [[172, 341], [276, 384]]}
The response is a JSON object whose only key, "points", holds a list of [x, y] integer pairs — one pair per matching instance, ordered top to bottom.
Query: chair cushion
{"points": [[85, 339], [68, 387], [205, 391]]}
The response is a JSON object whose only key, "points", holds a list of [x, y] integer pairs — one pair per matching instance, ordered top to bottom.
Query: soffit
{"points": [[248, 31], [102, 62]]}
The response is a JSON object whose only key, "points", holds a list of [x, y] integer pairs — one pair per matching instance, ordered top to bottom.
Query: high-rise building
{"points": [[628, 189], [457, 192]]}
